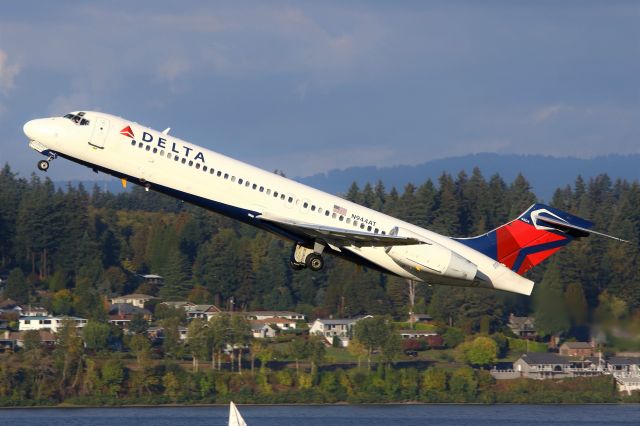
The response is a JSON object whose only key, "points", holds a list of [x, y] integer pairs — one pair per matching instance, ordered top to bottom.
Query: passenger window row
{"points": [[254, 186]]}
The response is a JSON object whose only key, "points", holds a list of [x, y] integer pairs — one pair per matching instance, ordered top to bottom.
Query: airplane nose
{"points": [[30, 128], [39, 129]]}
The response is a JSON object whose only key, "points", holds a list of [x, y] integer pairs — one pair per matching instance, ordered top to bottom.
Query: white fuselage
{"points": [[237, 189]]}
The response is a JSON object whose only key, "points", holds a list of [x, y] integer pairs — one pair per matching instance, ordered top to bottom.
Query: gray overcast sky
{"points": [[310, 86]]}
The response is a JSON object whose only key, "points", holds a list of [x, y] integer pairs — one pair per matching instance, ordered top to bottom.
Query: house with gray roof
{"points": [[202, 311], [524, 327], [341, 328], [546, 365], [626, 371]]}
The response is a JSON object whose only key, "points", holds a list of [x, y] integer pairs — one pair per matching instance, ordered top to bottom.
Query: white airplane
{"points": [[315, 221]]}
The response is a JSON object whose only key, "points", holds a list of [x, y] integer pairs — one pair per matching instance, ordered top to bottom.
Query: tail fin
{"points": [[531, 238]]}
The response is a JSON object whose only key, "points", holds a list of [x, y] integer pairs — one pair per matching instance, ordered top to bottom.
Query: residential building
{"points": [[152, 279], [133, 299], [184, 304], [10, 306], [34, 311], [202, 311], [121, 314], [260, 315], [420, 318], [48, 323], [281, 323], [524, 327], [340, 328], [261, 330], [157, 333], [416, 334], [47, 338], [432, 338], [8, 340], [579, 349], [623, 364], [546, 365], [626, 372]]}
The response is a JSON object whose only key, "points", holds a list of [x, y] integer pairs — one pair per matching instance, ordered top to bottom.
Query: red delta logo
{"points": [[127, 132]]}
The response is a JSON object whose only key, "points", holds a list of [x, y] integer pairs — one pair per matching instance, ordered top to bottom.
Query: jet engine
{"points": [[431, 257]]}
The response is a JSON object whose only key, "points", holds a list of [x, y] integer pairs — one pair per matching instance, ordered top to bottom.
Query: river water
{"points": [[331, 415]]}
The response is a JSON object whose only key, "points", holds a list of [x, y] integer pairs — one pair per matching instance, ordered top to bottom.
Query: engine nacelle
{"points": [[431, 257]]}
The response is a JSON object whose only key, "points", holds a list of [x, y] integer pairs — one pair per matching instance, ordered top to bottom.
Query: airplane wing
{"points": [[337, 236]]}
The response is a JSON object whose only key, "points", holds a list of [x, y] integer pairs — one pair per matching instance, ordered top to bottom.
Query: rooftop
{"points": [[135, 296], [126, 308], [273, 313], [274, 321], [340, 321], [544, 358], [623, 360]]}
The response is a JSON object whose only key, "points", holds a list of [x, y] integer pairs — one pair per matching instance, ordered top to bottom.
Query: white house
{"points": [[137, 300], [261, 315], [49, 323], [282, 323], [340, 328], [261, 330], [416, 334]]}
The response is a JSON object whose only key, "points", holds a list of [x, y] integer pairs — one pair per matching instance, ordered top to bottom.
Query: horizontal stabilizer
{"points": [[575, 230]]}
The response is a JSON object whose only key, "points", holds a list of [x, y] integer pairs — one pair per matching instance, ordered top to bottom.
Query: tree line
{"points": [[70, 249]]}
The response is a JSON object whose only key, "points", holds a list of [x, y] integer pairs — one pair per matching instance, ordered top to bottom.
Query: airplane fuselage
{"points": [[167, 164]]}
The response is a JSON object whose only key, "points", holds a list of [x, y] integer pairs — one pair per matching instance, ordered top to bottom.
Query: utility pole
{"points": [[412, 298]]}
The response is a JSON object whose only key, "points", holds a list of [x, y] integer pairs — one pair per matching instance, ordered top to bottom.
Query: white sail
{"points": [[235, 419]]}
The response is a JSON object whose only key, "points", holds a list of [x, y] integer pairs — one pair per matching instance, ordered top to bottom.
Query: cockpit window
{"points": [[78, 118]]}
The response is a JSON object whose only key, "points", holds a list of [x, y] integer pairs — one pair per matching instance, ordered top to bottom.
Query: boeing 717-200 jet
{"points": [[316, 222]]}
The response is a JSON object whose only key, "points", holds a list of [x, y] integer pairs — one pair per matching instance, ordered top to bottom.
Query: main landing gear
{"points": [[44, 164], [305, 257]]}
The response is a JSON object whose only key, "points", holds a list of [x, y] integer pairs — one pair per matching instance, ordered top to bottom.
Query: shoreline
{"points": [[344, 404]]}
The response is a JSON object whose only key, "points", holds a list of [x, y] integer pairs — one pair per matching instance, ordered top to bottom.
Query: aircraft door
{"points": [[100, 132]]}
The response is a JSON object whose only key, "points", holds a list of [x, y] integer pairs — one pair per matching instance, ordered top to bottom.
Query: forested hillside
{"points": [[70, 249]]}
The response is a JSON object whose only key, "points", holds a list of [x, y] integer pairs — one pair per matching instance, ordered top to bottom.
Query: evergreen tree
{"points": [[353, 194], [520, 196], [368, 197], [380, 197], [447, 208], [177, 274], [17, 287], [550, 313]]}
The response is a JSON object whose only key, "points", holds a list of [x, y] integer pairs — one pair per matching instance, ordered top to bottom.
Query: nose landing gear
{"points": [[44, 164]]}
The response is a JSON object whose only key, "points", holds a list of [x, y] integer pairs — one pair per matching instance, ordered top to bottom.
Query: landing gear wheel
{"points": [[43, 165], [314, 261]]}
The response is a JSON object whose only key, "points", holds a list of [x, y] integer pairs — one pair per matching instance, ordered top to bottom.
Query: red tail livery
{"points": [[531, 238]]}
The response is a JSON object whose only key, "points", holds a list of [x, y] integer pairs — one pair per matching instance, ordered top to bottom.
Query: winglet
{"points": [[166, 131]]}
